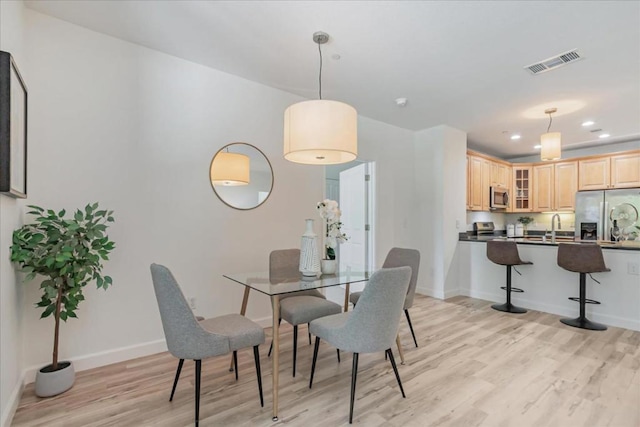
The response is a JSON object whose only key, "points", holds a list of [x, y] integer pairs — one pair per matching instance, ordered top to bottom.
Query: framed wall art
{"points": [[13, 129]]}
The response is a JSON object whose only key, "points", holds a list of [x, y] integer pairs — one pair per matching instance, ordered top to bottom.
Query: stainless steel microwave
{"points": [[499, 198]]}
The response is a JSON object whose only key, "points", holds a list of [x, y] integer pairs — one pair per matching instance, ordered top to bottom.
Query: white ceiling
{"points": [[458, 63]]}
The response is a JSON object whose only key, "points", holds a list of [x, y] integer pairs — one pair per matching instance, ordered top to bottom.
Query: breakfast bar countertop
{"points": [[536, 239]]}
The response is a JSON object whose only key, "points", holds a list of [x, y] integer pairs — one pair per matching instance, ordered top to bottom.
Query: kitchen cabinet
{"points": [[615, 171], [625, 171], [482, 174], [594, 174], [499, 175], [475, 183], [468, 185], [566, 185], [548, 186], [543, 187], [521, 194]]}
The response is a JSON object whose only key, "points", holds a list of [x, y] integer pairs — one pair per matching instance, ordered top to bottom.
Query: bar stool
{"points": [[506, 253], [584, 259]]}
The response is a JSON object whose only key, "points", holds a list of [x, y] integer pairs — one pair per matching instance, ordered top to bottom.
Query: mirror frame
{"points": [[268, 163]]}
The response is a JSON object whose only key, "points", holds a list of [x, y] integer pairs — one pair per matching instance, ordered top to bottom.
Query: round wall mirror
{"points": [[241, 176]]}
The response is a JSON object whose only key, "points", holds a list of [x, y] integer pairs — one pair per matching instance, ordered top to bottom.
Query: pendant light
{"points": [[320, 132], [550, 142], [230, 169]]}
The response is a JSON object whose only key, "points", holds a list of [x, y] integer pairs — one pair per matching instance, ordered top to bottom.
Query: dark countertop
{"points": [[536, 239]]}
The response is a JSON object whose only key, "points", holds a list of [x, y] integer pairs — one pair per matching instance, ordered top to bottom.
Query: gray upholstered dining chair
{"points": [[399, 257], [299, 307], [372, 326], [188, 338]]}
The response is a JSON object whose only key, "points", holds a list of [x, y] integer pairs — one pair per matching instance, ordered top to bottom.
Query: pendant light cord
{"points": [[320, 74], [550, 120]]}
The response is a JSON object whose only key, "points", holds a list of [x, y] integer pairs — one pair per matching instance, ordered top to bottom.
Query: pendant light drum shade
{"points": [[320, 132], [550, 146], [230, 169]]}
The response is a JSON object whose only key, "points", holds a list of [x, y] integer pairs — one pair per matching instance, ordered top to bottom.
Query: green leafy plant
{"points": [[525, 220], [69, 252]]}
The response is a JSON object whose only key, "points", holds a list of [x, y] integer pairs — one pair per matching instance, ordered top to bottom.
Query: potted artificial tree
{"points": [[69, 252]]}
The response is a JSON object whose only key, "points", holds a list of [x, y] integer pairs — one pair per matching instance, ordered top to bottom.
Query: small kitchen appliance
{"points": [[483, 229]]}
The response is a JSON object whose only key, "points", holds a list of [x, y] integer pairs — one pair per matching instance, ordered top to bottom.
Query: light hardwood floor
{"points": [[474, 367]]}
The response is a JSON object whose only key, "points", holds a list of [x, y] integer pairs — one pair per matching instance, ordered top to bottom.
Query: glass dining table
{"points": [[275, 288]]}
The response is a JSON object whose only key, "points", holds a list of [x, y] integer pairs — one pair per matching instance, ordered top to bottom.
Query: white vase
{"points": [[309, 255], [329, 266]]}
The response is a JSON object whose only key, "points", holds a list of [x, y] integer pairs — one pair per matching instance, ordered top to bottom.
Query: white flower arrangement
{"points": [[329, 211]]}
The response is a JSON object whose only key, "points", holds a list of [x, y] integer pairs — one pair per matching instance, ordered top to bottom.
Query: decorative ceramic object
{"points": [[309, 256], [329, 266], [51, 383]]}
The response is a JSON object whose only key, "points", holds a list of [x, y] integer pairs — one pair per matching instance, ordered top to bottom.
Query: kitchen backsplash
{"points": [[541, 221]]}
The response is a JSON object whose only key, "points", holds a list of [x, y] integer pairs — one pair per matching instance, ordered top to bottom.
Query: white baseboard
{"points": [[430, 292], [451, 293], [94, 360], [12, 404]]}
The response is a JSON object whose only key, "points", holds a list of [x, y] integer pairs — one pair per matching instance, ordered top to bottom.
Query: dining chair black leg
{"points": [[406, 312], [308, 325], [271, 346], [295, 347], [338, 351], [256, 356], [235, 363], [313, 364], [395, 370], [198, 372], [354, 375], [175, 381]]}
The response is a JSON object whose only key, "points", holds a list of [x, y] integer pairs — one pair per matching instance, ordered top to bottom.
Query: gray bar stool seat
{"points": [[506, 253], [584, 259]]}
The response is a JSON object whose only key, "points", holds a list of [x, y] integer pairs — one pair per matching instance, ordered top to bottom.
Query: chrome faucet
{"points": [[553, 227]]}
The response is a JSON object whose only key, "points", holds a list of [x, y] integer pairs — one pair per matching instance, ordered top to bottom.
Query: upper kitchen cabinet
{"points": [[625, 170], [614, 171], [482, 174], [594, 174], [499, 175], [475, 183], [566, 185], [543, 186], [521, 195]]}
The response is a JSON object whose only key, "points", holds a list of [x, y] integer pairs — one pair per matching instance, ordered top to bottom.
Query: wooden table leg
{"points": [[346, 297], [243, 310], [399, 344], [275, 367]]}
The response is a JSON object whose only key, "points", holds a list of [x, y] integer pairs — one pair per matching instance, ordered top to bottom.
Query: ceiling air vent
{"points": [[554, 62]]}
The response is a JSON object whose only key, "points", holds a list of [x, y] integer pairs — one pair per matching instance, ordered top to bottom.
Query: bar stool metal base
{"points": [[508, 308], [584, 323]]}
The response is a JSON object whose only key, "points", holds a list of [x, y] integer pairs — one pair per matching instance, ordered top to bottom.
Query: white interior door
{"points": [[353, 203]]}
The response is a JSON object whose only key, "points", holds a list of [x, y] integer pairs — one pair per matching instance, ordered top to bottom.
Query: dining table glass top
{"points": [[270, 285]]}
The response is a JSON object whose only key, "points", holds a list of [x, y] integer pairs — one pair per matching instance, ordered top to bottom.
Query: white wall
{"points": [[11, 40], [135, 130], [439, 173]]}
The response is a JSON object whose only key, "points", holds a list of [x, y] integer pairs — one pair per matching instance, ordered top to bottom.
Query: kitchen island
{"points": [[547, 286]]}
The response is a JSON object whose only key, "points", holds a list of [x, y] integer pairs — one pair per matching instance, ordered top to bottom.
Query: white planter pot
{"points": [[329, 266], [50, 383]]}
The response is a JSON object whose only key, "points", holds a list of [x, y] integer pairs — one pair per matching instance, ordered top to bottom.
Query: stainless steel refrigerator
{"points": [[596, 210]]}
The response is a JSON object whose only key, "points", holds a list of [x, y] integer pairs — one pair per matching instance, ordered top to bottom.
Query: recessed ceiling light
{"points": [[588, 123], [604, 135], [515, 136], [537, 147]]}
